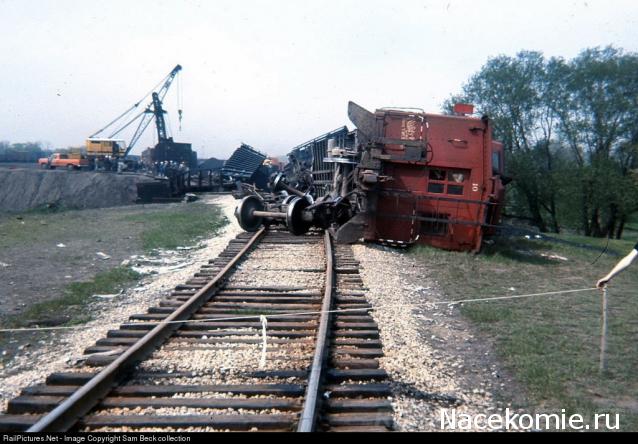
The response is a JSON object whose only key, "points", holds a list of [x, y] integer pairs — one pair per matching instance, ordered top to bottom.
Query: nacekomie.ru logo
{"points": [[450, 419]]}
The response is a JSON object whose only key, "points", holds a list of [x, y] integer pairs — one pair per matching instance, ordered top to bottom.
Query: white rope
{"points": [[516, 296], [347, 310], [264, 322]]}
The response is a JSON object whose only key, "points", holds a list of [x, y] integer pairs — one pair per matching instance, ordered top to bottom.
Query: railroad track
{"points": [[197, 361]]}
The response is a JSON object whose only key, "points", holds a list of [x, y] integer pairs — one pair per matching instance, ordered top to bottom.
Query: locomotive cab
{"points": [[443, 184]]}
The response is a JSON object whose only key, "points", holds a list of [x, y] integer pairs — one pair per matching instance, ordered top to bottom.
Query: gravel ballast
{"points": [[435, 359]]}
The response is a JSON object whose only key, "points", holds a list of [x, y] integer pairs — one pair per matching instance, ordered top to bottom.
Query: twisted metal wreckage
{"points": [[401, 177]]}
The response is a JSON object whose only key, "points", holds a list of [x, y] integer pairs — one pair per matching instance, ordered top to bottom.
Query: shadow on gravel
{"points": [[414, 393]]}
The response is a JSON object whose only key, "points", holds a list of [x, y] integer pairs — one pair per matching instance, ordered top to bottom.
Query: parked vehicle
{"points": [[72, 161]]}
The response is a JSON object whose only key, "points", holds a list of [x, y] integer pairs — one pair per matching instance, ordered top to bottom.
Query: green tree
{"points": [[512, 91], [596, 98], [570, 129]]}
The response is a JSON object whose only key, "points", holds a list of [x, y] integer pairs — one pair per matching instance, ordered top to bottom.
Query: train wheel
{"points": [[288, 199], [244, 213], [294, 216]]}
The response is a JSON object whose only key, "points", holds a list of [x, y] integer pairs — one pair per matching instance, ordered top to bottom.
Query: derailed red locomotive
{"points": [[402, 177]]}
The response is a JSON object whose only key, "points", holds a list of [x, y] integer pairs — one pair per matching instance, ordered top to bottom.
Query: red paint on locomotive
{"points": [[449, 197]]}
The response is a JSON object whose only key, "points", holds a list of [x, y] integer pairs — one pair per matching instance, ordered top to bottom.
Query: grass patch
{"points": [[45, 223], [156, 226], [175, 227], [70, 308], [552, 343]]}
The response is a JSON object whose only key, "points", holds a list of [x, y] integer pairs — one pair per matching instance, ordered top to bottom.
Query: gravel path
{"points": [[61, 349], [434, 357]]}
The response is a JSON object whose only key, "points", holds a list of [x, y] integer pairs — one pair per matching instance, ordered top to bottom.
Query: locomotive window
{"points": [[496, 162], [455, 176], [447, 181], [435, 187]]}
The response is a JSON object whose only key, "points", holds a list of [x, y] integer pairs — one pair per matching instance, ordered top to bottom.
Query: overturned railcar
{"points": [[311, 156], [245, 165], [402, 177], [439, 177]]}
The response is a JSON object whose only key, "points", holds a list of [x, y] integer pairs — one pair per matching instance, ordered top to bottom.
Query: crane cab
{"points": [[105, 147]]}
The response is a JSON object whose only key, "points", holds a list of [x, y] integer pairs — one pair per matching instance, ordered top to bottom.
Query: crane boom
{"points": [[153, 109], [160, 123]]}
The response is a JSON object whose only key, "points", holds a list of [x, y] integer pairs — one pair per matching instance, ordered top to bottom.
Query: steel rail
{"points": [[64, 416], [307, 420]]}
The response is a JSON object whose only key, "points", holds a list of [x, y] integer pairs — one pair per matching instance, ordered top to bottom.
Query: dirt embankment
{"points": [[25, 189]]}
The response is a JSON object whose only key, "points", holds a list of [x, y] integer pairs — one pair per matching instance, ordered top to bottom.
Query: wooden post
{"points": [[603, 334]]}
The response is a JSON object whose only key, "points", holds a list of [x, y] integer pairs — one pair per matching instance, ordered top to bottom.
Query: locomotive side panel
{"points": [[441, 196]]}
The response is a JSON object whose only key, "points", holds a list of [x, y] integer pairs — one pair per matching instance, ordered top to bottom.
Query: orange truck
{"points": [[59, 160]]}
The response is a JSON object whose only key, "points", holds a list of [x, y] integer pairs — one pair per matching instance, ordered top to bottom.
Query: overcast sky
{"points": [[271, 73]]}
